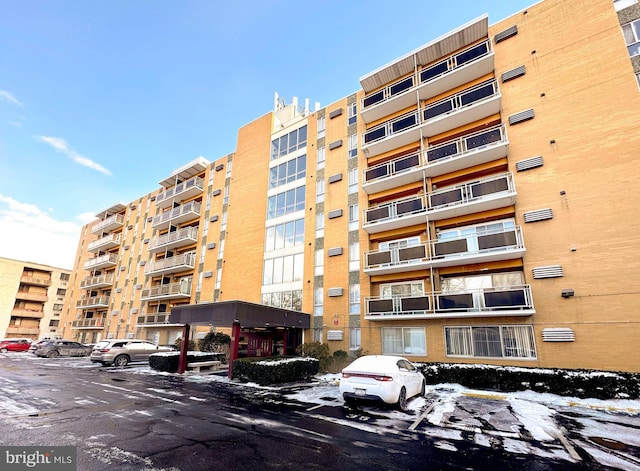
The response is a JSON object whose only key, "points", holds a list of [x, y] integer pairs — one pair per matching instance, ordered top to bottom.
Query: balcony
{"points": [[447, 74], [449, 113], [469, 150], [394, 173], [182, 191], [481, 195], [400, 213], [180, 214], [112, 222], [172, 240], [104, 243], [471, 249], [103, 261], [171, 265], [34, 280], [102, 281], [170, 291], [32, 296], [93, 302], [485, 302], [27, 313], [153, 319], [88, 324], [22, 331]]}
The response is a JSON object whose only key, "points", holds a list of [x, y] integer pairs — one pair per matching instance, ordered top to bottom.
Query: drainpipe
{"points": [[184, 348]]}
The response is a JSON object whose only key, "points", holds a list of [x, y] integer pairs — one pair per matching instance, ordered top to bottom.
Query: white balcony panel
{"points": [[390, 106], [461, 116], [392, 141], [182, 191], [486, 203], [180, 214], [396, 214], [112, 222], [180, 238], [104, 243], [479, 257], [104, 261], [176, 264], [102, 281], [169, 291], [93, 302]]}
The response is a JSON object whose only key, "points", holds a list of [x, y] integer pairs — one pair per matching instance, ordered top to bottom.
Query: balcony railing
{"points": [[447, 74], [454, 111], [183, 190], [489, 193], [186, 212], [399, 213], [109, 224], [180, 238], [104, 243], [480, 247], [103, 261], [171, 265], [34, 280], [97, 281], [169, 291], [32, 296], [93, 301], [485, 302], [27, 313], [153, 318], [88, 324]]}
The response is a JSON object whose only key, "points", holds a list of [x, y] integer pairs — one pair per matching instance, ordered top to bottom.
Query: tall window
{"points": [[631, 32], [353, 113], [321, 127], [291, 142], [353, 145], [320, 157], [288, 172], [353, 180], [320, 191], [226, 194], [286, 202], [354, 213], [319, 225], [287, 234], [354, 256], [319, 262], [354, 299], [318, 300], [355, 338], [404, 341], [510, 341]]}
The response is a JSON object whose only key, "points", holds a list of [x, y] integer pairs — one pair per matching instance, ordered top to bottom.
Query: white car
{"points": [[390, 379]]}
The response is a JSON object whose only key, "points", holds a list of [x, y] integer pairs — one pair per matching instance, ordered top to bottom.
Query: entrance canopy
{"points": [[248, 315]]}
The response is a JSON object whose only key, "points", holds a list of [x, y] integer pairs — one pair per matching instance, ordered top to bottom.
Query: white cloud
{"points": [[9, 97], [61, 146], [32, 235]]}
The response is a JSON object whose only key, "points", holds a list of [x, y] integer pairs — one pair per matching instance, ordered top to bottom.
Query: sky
{"points": [[99, 101]]}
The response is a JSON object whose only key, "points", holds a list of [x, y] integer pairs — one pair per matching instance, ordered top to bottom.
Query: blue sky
{"points": [[99, 101]]}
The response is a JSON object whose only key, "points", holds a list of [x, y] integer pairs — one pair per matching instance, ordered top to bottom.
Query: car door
{"points": [[63, 348], [75, 349], [136, 351], [411, 377]]}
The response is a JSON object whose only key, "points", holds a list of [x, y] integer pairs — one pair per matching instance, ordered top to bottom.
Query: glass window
{"points": [[631, 33], [353, 113], [321, 127], [353, 145], [320, 156], [353, 180], [320, 191], [354, 213], [319, 225], [299, 237], [354, 256], [319, 262], [318, 299], [354, 299], [355, 338], [404, 341], [512, 341]]}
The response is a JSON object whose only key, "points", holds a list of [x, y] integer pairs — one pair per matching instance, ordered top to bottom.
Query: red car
{"points": [[14, 345]]}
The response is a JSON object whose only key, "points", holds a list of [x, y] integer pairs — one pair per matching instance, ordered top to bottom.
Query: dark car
{"points": [[14, 345], [62, 348]]}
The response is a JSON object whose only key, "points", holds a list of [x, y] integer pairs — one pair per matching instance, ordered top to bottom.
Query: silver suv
{"points": [[119, 352]]}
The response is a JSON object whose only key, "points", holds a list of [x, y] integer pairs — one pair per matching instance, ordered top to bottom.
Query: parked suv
{"points": [[119, 352]]}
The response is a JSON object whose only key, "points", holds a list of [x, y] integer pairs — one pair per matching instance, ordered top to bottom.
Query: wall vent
{"points": [[506, 34], [513, 73], [335, 113], [522, 116], [335, 144], [528, 164], [219, 167], [335, 178], [216, 192], [336, 213], [538, 215], [213, 218], [212, 245], [334, 251], [143, 263], [550, 271], [207, 274], [138, 286], [118, 290], [334, 292], [134, 310], [114, 312], [560, 334]]}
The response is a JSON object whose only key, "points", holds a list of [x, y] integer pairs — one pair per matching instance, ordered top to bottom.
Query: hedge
{"points": [[275, 370], [564, 382]]}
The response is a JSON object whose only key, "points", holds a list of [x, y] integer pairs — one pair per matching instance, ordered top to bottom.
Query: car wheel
{"points": [[4, 350], [53, 354], [121, 360], [402, 399], [349, 402]]}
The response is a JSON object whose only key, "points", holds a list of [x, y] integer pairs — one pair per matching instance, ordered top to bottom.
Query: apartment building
{"points": [[473, 202], [31, 299]]}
